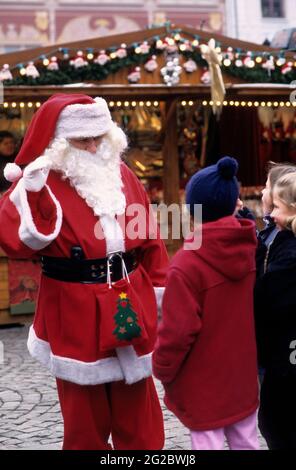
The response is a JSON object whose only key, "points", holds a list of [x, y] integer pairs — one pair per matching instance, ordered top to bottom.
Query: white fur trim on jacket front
{"points": [[28, 231], [112, 233], [159, 291], [126, 366]]}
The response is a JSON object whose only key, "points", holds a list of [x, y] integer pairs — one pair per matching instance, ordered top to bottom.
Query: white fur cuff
{"points": [[28, 231], [159, 291]]}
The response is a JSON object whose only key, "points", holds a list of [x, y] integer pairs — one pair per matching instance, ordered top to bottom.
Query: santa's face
{"points": [[88, 144], [93, 169]]}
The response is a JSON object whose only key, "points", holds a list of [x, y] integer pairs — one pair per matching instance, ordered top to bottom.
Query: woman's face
{"points": [[7, 147], [267, 199], [281, 212]]}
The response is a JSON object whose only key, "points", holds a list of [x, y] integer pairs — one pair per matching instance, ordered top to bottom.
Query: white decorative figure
{"points": [[121, 53], [102, 58], [79, 61], [53, 64], [151, 64], [190, 66], [31, 70], [5, 73], [135, 75]]}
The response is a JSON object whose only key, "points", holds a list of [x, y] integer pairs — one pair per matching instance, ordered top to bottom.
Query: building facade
{"points": [[259, 20], [32, 23]]}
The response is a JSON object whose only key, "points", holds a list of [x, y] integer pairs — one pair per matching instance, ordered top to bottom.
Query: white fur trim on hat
{"points": [[84, 120], [12, 172]]}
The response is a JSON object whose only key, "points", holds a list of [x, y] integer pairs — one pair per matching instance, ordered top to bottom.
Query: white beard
{"points": [[96, 177]]}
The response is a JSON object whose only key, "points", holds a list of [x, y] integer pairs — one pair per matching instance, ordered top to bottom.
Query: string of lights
{"points": [[132, 104]]}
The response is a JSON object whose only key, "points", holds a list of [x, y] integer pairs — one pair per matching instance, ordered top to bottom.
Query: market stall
{"points": [[159, 84]]}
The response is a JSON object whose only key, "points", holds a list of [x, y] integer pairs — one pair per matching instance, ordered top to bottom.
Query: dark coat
{"points": [[262, 236], [275, 303]]}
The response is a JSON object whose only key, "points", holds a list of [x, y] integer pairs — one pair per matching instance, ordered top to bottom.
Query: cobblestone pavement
{"points": [[29, 409]]}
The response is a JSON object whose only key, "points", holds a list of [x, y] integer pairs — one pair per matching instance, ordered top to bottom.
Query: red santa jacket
{"points": [[66, 332], [205, 353]]}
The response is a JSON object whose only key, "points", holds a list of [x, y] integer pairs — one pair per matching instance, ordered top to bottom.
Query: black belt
{"points": [[88, 271]]}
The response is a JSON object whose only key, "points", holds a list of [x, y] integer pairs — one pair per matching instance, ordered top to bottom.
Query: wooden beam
{"points": [[156, 92], [170, 154], [171, 177]]}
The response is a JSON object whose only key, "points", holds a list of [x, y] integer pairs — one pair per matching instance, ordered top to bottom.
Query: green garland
{"points": [[94, 72], [256, 74], [260, 75]]}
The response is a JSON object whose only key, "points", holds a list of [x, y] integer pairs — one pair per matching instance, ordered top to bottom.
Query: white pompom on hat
{"points": [[84, 120], [12, 172]]}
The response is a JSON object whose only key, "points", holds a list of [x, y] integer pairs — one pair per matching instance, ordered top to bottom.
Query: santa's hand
{"points": [[36, 173]]}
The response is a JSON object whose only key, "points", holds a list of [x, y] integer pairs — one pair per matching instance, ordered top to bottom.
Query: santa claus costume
{"points": [[96, 315]]}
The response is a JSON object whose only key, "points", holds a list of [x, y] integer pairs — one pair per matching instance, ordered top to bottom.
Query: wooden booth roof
{"points": [[105, 42], [116, 84]]}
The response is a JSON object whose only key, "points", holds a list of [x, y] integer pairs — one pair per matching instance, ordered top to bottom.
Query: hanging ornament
{"points": [[160, 45], [171, 46], [185, 46], [144, 48], [65, 53], [121, 53], [90, 54], [230, 54], [102, 58], [79, 61], [238, 61], [249, 61], [281, 61], [226, 62], [53, 64], [151, 64], [269, 65], [190, 66], [287, 68], [31, 70], [171, 71], [5, 73], [135, 75], [206, 77], [217, 85], [265, 116], [286, 116]]}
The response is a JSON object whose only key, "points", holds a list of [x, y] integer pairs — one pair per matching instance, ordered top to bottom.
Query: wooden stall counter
{"points": [[18, 289]]}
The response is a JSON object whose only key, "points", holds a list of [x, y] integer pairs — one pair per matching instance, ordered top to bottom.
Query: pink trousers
{"points": [[240, 436]]}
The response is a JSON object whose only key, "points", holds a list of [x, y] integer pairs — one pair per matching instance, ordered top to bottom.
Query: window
{"points": [[272, 8]]}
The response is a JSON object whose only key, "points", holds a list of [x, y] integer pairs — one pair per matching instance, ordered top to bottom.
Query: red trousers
{"points": [[131, 414]]}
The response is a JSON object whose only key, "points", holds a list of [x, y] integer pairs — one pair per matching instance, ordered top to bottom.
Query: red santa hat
{"points": [[64, 115]]}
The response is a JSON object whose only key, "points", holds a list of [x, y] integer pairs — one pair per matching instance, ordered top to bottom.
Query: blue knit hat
{"points": [[216, 188]]}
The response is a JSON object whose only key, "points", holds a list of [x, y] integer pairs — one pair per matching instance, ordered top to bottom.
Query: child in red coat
{"points": [[205, 354]]}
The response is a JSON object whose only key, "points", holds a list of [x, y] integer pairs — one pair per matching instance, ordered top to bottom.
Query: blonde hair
{"points": [[276, 170], [285, 187]]}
